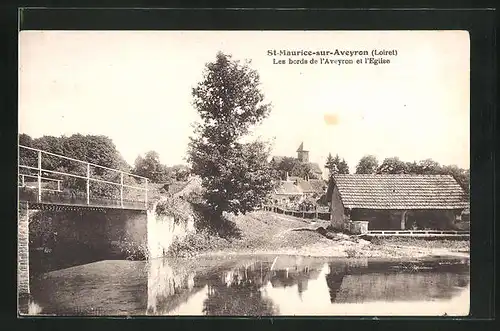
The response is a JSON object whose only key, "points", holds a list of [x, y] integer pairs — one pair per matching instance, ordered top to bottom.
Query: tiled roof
{"points": [[312, 185], [318, 185], [305, 186], [287, 188], [400, 191]]}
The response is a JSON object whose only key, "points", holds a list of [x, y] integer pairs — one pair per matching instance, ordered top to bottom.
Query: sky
{"points": [[135, 87]]}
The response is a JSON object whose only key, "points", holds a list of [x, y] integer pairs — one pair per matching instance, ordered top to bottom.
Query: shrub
{"points": [[174, 207], [351, 252]]}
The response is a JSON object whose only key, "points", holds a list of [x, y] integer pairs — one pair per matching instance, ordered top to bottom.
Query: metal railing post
{"points": [[39, 176], [88, 183], [121, 189], [146, 194]]}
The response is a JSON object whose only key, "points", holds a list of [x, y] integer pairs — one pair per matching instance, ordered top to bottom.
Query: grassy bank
{"points": [[268, 233]]}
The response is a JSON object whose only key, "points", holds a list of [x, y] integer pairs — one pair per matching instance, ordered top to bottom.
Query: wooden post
{"points": [[39, 176], [22, 180], [88, 183], [59, 185], [121, 189], [146, 194], [403, 219]]}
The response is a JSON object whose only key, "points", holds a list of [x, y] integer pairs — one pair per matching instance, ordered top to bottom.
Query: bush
{"points": [[175, 207], [195, 243], [132, 251], [351, 252]]}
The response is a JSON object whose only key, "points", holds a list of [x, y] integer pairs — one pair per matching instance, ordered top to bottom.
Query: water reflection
{"points": [[256, 286]]}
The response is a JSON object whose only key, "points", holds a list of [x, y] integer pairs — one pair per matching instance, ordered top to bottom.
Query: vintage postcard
{"points": [[243, 173]]}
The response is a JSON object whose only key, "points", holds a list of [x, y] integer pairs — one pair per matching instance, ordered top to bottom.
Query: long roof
{"points": [[312, 185], [287, 188], [391, 191]]}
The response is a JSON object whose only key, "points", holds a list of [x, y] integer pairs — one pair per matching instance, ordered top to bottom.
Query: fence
{"points": [[38, 190], [315, 214], [418, 233]]}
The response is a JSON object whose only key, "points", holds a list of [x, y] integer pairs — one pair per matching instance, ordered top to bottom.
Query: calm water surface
{"points": [[257, 285]]}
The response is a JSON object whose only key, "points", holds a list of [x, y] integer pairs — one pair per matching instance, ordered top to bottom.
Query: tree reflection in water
{"points": [[167, 288], [238, 293]]}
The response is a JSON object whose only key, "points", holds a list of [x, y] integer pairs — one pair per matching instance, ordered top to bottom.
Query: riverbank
{"points": [[268, 233]]}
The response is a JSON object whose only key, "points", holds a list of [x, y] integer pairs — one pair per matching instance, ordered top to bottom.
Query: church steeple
{"points": [[302, 154]]}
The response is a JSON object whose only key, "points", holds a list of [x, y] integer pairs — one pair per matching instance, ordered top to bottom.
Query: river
{"points": [[256, 286]]}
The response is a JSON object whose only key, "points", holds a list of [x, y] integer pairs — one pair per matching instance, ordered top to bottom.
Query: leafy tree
{"points": [[96, 149], [368, 164], [286, 165], [331, 165], [392, 165], [336, 166], [150, 167], [343, 167], [412, 167], [428, 167], [303, 170], [180, 172], [236, 177]]}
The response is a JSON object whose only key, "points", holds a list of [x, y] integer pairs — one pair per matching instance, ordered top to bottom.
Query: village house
{"points": [[302, 156], [292, 190], [396, 202]]}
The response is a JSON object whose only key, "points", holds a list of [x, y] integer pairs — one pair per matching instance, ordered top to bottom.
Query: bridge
{"points": [[61, 182], [99, 203]]}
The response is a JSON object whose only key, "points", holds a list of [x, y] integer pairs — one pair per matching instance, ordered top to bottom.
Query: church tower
{"points": [[302, 154]]}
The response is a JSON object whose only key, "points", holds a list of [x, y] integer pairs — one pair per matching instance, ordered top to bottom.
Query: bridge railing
{"points": [[51, 168]]}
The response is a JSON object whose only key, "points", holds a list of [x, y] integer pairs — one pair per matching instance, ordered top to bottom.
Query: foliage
{"points": [[96, 149], [367, 165], [392, 165], [284, 166], [336, 166], [150, 167], [293, 167], [303, 170], [180, 172], [236, 177], [308, 204], [175, 207], [195, 243], [132, 251], [351, 253]]}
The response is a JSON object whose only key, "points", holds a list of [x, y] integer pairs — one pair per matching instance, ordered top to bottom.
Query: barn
{"points": [[396, 201]]}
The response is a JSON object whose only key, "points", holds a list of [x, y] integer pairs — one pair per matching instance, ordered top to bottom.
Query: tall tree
{"points": [[95, 149], [330, 164], [368, 164], [287, 165], [392, 165], [336, 166], [150, 167], [343, 167], [428, 167], [303, 170], [236, 177]]}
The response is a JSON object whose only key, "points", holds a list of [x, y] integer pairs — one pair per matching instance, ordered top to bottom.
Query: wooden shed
{"points": [[396, 202]]}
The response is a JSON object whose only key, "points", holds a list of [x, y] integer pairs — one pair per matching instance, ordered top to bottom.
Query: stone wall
{"points": [[60, 239]]}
